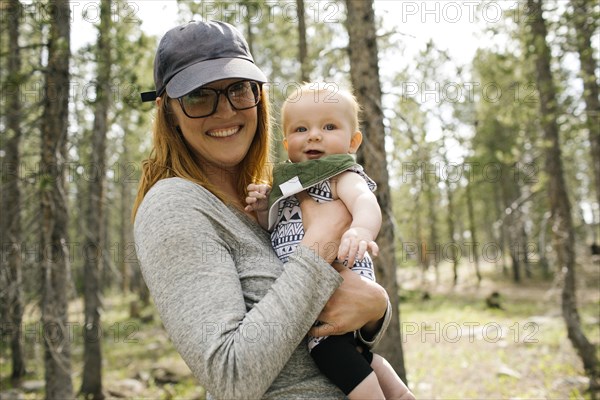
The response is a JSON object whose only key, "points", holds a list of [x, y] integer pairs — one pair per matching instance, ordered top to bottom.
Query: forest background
{"points": [[485, 147]]}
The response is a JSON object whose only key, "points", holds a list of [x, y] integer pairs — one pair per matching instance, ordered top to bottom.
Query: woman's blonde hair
{"points": [[172, 157]]}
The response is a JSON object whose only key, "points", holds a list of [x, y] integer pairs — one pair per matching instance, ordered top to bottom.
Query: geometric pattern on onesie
{"points": [[288, 230]]}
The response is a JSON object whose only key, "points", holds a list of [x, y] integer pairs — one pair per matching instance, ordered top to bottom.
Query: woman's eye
{"points": [[240, 89], [236, 90], [198, 96]]}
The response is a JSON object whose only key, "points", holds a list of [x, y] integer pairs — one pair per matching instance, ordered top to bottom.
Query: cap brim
{"points": [[204, 72]]}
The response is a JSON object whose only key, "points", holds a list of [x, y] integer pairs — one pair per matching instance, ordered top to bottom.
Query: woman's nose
{"points": [[224, 107]]}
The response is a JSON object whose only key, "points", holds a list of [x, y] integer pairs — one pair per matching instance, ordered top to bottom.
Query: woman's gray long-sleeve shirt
{"points": [[236, 315]]}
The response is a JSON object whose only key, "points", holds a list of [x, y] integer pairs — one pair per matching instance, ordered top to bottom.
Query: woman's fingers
{"points": [[356, 303], [324, 329]]}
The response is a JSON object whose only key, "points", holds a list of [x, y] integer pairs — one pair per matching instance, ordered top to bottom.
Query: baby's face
{"points": [[319, 124]]}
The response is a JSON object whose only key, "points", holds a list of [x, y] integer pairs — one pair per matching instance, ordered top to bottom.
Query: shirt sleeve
{"points": [[379, 334], [234, 352]]}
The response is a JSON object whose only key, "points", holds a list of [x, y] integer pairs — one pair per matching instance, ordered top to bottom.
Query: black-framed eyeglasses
{"points": [[203, 102]]}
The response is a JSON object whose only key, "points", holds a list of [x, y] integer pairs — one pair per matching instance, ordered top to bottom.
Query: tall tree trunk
{"points": [[248, 4], [585, 26], [250, 37], [302, 47], [364, 73], [11, 199], [431, 220], [510, 221], [562, 224], [125, 227], [473, 231], [501, 232], [54, 236], [420, 239], [451, 245], [513, 246], [525, 248], [543, 261], [91, 385]]}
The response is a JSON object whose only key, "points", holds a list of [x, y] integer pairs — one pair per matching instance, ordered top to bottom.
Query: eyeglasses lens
{"points": [[204, 101]]}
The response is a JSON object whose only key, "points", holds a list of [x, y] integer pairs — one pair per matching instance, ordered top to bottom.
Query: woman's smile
{"points": [[223, 132]]}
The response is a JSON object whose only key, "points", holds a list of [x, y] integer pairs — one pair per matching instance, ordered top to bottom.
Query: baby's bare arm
{"points": [[352, 189]]}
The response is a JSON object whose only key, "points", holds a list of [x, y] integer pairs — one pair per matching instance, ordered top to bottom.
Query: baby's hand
{"points": [[258, 195], [355, 242]]}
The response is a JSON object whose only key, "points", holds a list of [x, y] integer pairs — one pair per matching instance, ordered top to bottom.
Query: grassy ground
{"points": [[455, 347], [139, 361]]}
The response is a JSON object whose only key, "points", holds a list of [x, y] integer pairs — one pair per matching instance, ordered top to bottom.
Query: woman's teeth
{"points": [[223, 132]]}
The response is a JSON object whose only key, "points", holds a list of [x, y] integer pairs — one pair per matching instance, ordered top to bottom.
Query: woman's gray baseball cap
{"points": [[197, 53]]}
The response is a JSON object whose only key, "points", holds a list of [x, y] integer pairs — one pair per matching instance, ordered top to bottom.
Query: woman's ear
{"points": [[355, 141]]}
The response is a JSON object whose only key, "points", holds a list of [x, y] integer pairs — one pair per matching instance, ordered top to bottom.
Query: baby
{"points": [[320, 126]]}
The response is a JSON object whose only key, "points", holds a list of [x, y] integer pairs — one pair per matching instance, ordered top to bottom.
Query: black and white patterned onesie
{"points": [[288, 230]]}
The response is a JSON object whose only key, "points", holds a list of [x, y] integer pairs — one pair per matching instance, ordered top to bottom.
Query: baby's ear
{"points": [[355, 141], [285, 144]]}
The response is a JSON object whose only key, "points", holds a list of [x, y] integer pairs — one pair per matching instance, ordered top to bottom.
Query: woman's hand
{"points": [[324, 224], [357, 303]]}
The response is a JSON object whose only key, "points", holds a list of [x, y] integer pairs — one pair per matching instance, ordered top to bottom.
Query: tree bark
{"points": [[585, 26], [302, 47], [364, 74], [11, 200], [510, 222], [562, 224], [473, 230], [500, 234], [124, 235], [54, 236], [421, 240], [451, 245], [432, 248], [91, 385]]}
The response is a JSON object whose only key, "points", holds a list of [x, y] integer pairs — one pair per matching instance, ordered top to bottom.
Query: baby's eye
{"points": [[330, 127], [300, 129]]}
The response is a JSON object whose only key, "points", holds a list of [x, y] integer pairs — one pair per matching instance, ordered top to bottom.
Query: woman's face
{"points": [[222, 139]]}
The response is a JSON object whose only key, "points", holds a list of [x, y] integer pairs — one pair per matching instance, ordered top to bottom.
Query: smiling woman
{"points": [[223, 140], [206, 260]]}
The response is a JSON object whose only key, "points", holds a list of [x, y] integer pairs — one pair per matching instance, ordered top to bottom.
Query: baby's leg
{"points": [[339, 359], [392, 386], [368, 389]]}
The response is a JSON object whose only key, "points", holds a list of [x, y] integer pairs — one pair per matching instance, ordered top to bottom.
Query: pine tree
{"points": [[364, 73], [564, 234], [54, 236]]}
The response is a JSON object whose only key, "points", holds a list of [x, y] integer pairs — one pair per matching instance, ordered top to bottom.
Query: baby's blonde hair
{"points": [[316, 89]]}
